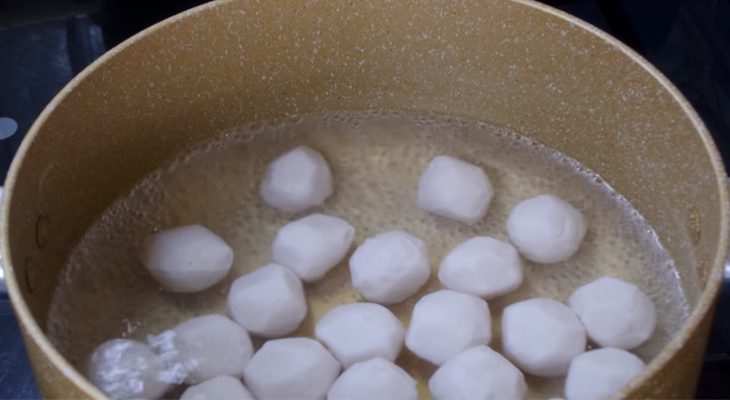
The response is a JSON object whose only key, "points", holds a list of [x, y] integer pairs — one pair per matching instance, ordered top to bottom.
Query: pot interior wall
{"points": [[504, 62]]}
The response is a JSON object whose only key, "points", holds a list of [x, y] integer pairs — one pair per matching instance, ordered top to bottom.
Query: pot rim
{"points": [[705, 302]]}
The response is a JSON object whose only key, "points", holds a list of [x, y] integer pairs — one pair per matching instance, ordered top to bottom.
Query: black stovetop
{"points": [[44, 43]]}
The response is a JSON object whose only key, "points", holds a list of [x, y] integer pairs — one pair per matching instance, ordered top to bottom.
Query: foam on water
{"points": [[376, 158]]}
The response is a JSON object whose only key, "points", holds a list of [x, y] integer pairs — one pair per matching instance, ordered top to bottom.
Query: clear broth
{"points": [[376, 158]]}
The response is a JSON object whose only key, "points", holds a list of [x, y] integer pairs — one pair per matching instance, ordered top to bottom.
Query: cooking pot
{"points": [[517, 64]]}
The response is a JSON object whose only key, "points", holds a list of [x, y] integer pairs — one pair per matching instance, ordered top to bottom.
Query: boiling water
{"points": [[376, 158]]}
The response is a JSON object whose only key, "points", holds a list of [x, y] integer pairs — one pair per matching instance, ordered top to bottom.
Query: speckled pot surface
{"points": [[517, 64]]}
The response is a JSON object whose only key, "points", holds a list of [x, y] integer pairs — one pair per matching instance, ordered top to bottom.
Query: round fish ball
{"points": [[297, 180], [455, 189], [546, 229], [311, 246], [187, 259], [482, 266], [389, 267], [268, 302], [615, 313], [446, 322], [361, 331], [542, 336], [205, 347], [292, 368], [127, 369], [478, 373], [599, 374], [377, 378], [222, 387]]}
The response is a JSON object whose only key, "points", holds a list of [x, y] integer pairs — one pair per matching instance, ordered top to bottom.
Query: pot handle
{"points": [[726, 277], [3, 288]]}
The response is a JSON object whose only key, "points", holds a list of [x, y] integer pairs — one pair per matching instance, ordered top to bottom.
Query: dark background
{"points": [[43, 44]]}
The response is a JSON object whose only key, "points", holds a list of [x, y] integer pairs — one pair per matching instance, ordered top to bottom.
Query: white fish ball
{"points": [[297, 180], [455, 189], [546, 229], [312, 245], [187, 259], [482, 266], [389, 267], [268, 302], [615, 313], [446, 322], [361, 331], [542, 336], [205, 347], [292, 368], [127, 369], [478, 373], [599, 374], [376, 378], [222, 387]]}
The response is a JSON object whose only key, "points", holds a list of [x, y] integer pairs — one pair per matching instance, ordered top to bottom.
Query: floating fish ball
{"points": [[297, 180], [455, 189], [546, 229], [312, 245], [187, 259], [482, 266], [389, 267], [268, 302], [615, 313], [446, 322], [361, 331], [541, 336], [205, 347], [293, 368], [127, 369], [478, 373], [599, 374], [377, 378], [222, 387]]}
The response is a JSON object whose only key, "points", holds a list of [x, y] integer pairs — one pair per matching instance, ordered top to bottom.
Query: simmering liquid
{"points": [[376, 159]]}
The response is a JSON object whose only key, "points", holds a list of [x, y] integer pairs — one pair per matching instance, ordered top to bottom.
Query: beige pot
{"points": [[199, 73]]}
